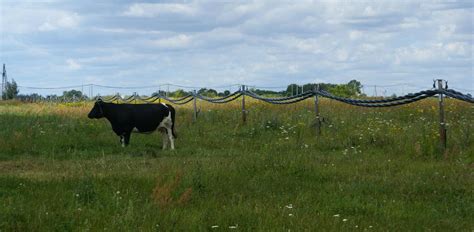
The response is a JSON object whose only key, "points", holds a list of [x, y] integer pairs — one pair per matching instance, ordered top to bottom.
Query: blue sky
{"points": [[48, 43]]}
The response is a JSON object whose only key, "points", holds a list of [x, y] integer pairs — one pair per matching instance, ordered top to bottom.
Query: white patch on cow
{"points": [[166, 124]]}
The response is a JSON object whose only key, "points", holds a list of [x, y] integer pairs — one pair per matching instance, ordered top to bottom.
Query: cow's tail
{"points": [[173, 116]]}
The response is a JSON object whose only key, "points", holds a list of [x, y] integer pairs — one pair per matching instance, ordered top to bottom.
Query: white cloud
{"points": [[159, 9], [25, 20], [60, 20], [446, 30], [355, 34], [179, 41], [457, 48], [341, 55], [73, 65]]}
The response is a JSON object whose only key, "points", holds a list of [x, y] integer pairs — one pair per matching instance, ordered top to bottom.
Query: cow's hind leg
{"points": [[164, 137], [170, 137], [165, 140]]}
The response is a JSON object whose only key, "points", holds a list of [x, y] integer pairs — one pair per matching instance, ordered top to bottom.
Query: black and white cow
{"points": [[141, 118]]}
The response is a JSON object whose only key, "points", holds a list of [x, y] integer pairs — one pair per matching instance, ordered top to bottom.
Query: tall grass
{"points": [[371, 169]]}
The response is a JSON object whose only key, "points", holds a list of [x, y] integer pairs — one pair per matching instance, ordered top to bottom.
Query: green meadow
{"points": [[369, 170]]}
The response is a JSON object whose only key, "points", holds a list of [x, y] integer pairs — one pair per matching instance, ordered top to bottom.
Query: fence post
{"points": [[195, 107], [316, 110], [244, 112], [442, 124]]}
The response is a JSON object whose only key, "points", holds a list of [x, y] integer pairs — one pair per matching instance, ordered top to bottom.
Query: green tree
{"points": [[356, 86], [11, 90], [207, 92], [178, 93], [72, 94]]}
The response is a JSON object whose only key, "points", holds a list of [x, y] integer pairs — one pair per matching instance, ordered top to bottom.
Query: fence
{"points": [[243, 91]]}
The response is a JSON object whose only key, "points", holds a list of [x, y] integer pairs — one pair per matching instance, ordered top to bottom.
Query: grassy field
{"points": [[370, 170]]}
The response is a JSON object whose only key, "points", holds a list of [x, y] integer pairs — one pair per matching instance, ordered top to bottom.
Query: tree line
{"points": [[351, 89]]}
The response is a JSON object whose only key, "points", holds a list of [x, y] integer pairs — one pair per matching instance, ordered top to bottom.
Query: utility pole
{"points": [[4, 82], [194, 106], [316, 110], [244, 112], [442, 123]]}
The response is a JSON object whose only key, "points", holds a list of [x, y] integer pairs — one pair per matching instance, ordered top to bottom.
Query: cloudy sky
{"points": [[48, 43]]}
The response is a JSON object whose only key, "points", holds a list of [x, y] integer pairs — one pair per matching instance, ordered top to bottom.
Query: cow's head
{"points": [[97, 111]]}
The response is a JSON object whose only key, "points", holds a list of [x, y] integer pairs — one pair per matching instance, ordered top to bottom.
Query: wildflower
{"points": [[118, 192], [290, 206], [291, 215], [336, 215], [344, 220], [215, 226], [233, 227]]}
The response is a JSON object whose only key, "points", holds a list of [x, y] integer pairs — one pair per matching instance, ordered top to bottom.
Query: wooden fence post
{"points": [[159, 94], [195, 107], [316, 110], [244, 112], [442, 124]]}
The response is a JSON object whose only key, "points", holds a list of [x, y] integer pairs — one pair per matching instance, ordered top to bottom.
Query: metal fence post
{"points": [[195, 107], [316, 110], [244, 112], [442, 124]]}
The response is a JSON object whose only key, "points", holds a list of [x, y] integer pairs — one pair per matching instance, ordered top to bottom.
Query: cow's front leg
{"points": [[170, 137], [126, 139], [122, 140]]}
